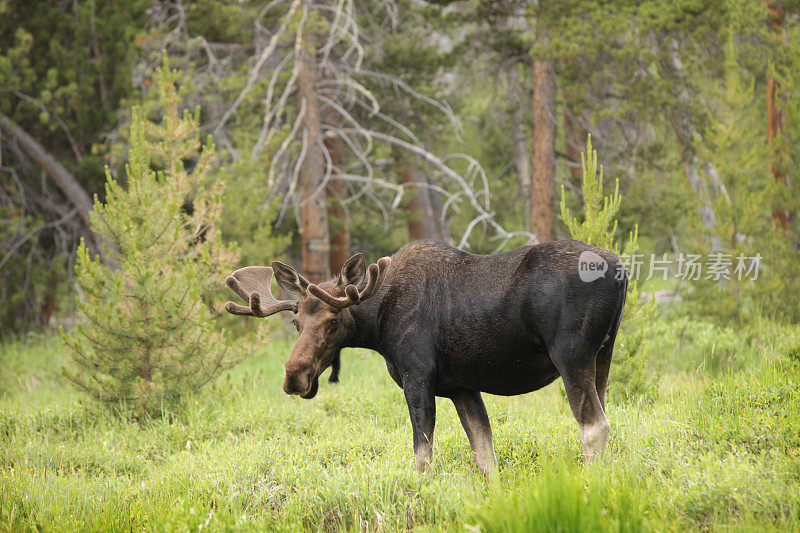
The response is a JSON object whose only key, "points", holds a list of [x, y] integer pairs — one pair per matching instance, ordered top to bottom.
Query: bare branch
{"points": [[255, 72], [400, 84], [38, 103], [347, 116], [265, 136], [285, 144], [357, 151], [449, 172], [61, 176], [398, 189], [13, 248]]}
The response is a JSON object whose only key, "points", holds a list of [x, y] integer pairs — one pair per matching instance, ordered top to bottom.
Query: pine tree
{"points": [[734, 145], [779, 290], [147, 336], [630, 378]]}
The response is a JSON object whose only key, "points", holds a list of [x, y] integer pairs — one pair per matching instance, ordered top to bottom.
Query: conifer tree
{"points": [[734, 145], [778, 291], [147, 336], [630, 379]]}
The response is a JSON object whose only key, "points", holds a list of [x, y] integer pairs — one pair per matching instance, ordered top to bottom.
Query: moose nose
{"points": [[298, 379]]}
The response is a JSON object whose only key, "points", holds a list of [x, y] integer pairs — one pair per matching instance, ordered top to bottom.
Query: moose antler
{"points": [[376, 273], [252, 285]]}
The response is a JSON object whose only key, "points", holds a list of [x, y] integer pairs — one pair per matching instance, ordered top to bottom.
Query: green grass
{"points": [[719, 449]]}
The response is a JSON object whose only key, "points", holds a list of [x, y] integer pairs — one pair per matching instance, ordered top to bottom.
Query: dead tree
{"points": [[324, 128]]}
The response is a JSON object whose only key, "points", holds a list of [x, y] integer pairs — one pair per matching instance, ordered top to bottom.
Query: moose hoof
{"points": [[595, 437], [422, 459], [489, 471]]}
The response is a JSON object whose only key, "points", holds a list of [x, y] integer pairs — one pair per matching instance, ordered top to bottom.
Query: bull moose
{"points": [[455, 324]]}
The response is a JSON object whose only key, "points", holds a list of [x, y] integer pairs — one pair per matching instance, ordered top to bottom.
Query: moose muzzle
{"points": [[301, 379]]}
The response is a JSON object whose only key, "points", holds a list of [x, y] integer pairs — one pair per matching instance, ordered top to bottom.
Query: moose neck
{"points": [[362, 324]]}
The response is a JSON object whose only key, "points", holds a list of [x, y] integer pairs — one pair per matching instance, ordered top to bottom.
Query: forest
{"points": [[150, 148]]}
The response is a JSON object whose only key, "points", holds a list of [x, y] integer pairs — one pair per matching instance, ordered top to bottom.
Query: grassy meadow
{"points": [[718, 449]]}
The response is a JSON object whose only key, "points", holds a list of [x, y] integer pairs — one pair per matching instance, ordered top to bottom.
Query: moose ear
{"points": [[353, 271], [288, 279]]}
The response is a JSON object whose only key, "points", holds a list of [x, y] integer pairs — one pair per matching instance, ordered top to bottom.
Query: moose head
{"points": [[318, 314]]}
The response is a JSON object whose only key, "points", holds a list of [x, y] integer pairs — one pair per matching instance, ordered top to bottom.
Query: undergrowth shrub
{"points": [[147, 336]]}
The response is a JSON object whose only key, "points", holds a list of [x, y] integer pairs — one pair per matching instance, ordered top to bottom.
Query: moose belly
{"points": [[505, 369]]}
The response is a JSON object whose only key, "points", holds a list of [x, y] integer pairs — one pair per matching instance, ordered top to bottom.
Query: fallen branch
{"points": [[63, 177], [66, 182]]}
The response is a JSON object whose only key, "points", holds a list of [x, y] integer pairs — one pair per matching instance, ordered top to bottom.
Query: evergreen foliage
{"points": [[65, 68], [733, 144], [746, 197], [249, 212], [780, 292], [147, 336], [630, 377]]}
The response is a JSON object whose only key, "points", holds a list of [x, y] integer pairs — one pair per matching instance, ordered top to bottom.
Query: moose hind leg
{"points": [[603, 359], [603, 368], [588, 411], [472, 412]]}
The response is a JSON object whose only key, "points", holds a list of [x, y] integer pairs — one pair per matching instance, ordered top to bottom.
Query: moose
{"points": [[454, 324]]}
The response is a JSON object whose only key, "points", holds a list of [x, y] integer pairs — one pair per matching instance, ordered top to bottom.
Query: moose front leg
{"points": [[336, 366], [419, 392], [472, 412]]}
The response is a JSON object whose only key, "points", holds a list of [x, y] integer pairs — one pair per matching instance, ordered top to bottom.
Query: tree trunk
{"points": [[515, 23], [775, 121], [574, 138], [522, 161], [543, 162], [313, 197], [424, 205], [415, 206], [338, 214], [339, 217], [440, 227], [47, 310]]}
